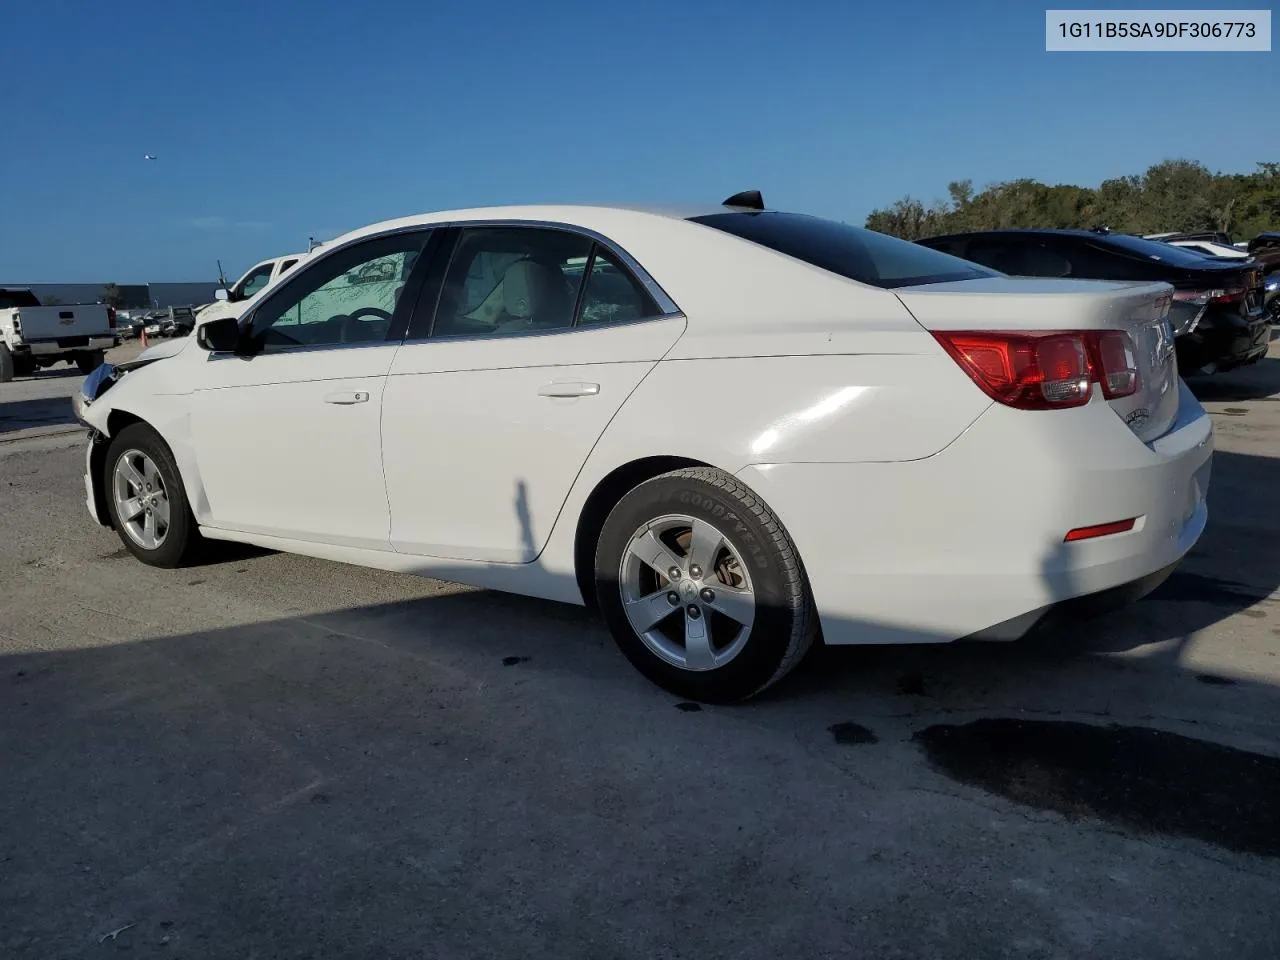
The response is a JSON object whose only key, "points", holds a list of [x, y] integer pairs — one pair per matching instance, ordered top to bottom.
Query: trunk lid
{"points": [[1016, 304]]}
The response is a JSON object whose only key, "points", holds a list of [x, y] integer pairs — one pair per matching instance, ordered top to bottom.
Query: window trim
{"points": [[668, 309], [395, 332]]}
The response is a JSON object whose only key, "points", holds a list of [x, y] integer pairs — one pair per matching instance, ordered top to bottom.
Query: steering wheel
{"points": [[353, 327]]}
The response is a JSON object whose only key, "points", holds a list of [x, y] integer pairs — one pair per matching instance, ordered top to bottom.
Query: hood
{"points": [[166, 348]]}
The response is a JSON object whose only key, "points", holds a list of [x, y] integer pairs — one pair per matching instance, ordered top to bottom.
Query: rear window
{"points": [[1153, 250], [863, 255], [15, 299]]}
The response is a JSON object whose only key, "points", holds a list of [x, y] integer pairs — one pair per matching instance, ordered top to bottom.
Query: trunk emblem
{"points": [[1138, 417]]}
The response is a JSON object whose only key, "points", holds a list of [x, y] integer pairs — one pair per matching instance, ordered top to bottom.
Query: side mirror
{"points": [[223, 294], [220, 336]]}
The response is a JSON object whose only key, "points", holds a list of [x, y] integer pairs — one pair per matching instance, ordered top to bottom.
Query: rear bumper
{"points": [[1223, 342], [44, 348], [970, 541]]}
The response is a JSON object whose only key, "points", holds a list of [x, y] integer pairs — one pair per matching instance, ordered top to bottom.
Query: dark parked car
{"points": [[1268, 240], [1217, 314]]}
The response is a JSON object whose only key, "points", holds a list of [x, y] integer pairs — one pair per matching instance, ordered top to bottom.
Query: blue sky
{"points": [[276, 121]]}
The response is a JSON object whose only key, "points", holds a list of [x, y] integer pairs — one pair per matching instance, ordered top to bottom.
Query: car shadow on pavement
{"points": [[1258, 381], [24, 414], [474, 773]]}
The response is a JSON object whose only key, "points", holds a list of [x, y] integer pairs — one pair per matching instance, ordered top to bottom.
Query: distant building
{"points": [[134, 296]]}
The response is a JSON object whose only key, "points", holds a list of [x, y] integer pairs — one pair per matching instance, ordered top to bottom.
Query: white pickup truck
{"points": [[231, 300], [33, 336]]}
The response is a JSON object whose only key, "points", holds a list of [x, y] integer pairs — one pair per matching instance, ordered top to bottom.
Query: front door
{"points": [[539, 337], [287, 439]]}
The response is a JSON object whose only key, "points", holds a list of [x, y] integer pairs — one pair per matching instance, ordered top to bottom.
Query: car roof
{"points": [[587, 215]]}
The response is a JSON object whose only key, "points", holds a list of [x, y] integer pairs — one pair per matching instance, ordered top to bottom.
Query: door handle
{"points": [[568, 389], [347, 397]]}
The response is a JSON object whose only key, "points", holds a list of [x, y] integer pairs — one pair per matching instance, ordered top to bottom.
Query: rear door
{"points": [[526, 342]]}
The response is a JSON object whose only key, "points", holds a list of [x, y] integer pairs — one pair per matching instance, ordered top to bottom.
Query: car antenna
{"points": [[750, 199], [222, 281]]}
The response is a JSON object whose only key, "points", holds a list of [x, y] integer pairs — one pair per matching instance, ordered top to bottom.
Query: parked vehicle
{"points": [[1267, 240], [1211, 249], [1266, 257], [1271, 297], [230, 300], [1217, 314], [33, 336], [732, 430]]}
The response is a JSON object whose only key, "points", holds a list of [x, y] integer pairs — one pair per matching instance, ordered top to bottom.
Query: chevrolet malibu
{"points": [[734, 431]]}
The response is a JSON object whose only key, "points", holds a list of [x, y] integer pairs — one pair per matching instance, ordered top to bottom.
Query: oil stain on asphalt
{"points": [[852, 733], [1135, 777]]}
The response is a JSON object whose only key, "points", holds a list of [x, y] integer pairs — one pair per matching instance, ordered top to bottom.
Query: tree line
{"points": [[1181, 195]]}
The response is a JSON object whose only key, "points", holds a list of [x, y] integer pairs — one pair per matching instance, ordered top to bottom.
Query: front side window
{"points": [[862, 255], [505, 280], [253, 281], [347, 297]]}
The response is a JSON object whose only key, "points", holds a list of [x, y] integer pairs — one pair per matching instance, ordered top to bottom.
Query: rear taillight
{"points": [[1228, 294], [111, 317], [17, 324], [1045, 371]]}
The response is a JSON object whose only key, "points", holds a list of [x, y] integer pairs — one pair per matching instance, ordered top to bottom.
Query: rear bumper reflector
{"points": [[1100, 530]]}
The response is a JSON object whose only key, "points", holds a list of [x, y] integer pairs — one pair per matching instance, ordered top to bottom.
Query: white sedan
{"points": [[732, 430]]}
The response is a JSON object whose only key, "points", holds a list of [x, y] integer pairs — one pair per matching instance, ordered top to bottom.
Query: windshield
{"points": [[862, 255]]}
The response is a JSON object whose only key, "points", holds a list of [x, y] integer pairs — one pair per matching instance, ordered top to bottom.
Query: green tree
{"points": [[1171, 195], [112, 295]]}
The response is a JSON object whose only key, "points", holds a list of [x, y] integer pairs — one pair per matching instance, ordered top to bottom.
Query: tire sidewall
{"points": [[181, 527], [779, 601]]}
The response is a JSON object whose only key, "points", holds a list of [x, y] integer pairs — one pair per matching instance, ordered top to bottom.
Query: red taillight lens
{"points": [[111, 317], [1115, 361], [1024, 370], [1045, 371]]}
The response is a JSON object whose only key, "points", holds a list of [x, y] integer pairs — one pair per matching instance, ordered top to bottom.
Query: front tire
{"points": [[89, 362], [6, 364], [146, 500], [702, 587]]}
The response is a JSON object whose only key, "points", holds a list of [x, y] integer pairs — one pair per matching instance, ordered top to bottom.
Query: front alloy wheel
{"points": [[146, 499], [141, 501]]}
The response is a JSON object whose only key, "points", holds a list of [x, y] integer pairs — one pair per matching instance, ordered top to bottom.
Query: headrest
{"points": [[531, 289]]}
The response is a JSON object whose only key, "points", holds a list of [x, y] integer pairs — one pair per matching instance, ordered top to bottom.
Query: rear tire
{"points": [[89, 362], [6, 364], [24, 366], [157, 525], [735, 618]]}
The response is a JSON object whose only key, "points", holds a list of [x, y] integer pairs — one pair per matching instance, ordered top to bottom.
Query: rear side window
{"points": [[862, 255]]}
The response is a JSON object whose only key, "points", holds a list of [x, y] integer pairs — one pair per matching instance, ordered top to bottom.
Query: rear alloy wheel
{"points": [[146, 499], [702, 588]]}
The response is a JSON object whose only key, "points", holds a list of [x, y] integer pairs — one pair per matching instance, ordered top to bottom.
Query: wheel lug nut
{"points": [[695, 571], [673, 573], [708, 595], [673, 598], [694, 611]]}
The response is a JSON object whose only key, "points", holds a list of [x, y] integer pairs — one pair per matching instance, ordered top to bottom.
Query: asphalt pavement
{"points": [[272, 756]]}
